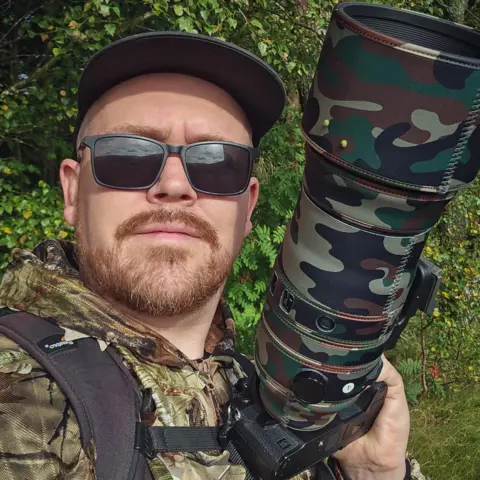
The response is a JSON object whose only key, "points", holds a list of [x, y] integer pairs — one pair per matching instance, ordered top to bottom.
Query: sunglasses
{"points": [[131, 162]]}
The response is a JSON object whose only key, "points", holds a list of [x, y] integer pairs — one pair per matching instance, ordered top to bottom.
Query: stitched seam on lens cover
{"points": [[467, 131], [334, 158], [378, 188], [396, 281], [295, 292], [312, 334], [312, 363]]}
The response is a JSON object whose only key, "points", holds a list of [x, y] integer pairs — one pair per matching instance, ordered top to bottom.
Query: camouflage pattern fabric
{"points": [[394, 111], [367, 203], [348, 267], [327, 323], [39, 432]]}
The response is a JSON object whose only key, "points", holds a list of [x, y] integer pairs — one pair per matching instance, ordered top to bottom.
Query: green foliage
{"points": [[30, 209], [410, 370]]}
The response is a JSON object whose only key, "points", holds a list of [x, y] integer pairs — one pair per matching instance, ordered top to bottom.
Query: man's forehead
{"points": [[178, 85], [162, 133]]}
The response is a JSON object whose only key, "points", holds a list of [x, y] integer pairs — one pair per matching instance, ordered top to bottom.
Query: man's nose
{"points": [[173, 183]]}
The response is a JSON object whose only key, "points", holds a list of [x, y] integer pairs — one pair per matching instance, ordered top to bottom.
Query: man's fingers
{"points": [[391, 377]]}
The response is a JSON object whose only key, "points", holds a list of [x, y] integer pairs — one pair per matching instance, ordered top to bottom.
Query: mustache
{"points": [[202, 227]]}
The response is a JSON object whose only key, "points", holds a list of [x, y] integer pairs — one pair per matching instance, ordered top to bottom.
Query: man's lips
{"points": [[169, 229]]}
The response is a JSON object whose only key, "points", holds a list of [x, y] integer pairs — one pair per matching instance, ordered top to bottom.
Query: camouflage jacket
{"points": [[39, 433]]}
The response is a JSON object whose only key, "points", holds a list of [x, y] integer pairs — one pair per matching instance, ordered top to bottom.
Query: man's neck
{"points": [[187, 332]]}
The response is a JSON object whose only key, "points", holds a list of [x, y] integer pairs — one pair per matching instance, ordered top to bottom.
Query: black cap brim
{"points": [[251, 82]]}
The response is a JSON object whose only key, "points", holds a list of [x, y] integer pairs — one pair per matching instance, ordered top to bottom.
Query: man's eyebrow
{"points": [[162, 134], [208, 137]]}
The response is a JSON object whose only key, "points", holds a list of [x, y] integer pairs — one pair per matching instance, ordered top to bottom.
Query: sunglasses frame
{"points": [[91, 140]]}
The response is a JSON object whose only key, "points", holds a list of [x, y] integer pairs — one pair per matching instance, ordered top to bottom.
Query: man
{"points": [[158, 227]]}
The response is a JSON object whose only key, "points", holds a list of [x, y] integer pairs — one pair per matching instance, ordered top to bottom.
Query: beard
{"points": [[158, 280]]}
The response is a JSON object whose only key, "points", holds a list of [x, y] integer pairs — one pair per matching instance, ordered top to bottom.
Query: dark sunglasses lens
{"points": [[125, 162], [217, 168]]}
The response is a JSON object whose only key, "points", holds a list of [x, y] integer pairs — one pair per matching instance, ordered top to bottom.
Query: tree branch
{"points": [[17, 23], [125, 26], [320, 35], [35, 75], [424, 357]]}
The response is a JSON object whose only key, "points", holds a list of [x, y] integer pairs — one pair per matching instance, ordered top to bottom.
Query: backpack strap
{"points": [[85, 374]]}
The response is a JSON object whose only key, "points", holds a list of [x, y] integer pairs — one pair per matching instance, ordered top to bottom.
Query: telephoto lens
{"points": [[391, 131]]}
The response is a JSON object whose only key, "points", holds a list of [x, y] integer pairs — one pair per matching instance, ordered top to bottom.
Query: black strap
{"points": [[247, 366], [85, 374], [153, 440]]}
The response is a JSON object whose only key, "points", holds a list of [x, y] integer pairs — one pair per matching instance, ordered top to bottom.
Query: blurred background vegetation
{"points": [[43, 47]]}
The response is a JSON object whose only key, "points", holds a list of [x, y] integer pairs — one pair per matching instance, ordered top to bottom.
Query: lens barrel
{"points": [[392, 133]]}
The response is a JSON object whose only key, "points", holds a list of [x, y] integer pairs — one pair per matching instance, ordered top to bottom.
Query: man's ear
{"points": [[70, 178], [253, 191]]}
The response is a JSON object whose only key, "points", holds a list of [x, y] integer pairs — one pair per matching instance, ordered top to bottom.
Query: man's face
{"points": [[185, 263]]}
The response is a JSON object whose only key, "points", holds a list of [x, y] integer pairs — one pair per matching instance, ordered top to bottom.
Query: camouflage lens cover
{"points": [[398, 112], [370, 204], [350, 269], [327, 323], [309, 344], [278, 365]]}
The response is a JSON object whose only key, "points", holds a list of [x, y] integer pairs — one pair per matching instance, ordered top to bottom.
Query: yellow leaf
{"points": [[73, 24], [51, 27], [44, 37], [63, 93], [5, 108], [7, 171], [27, 214], [7, 230], [62, 234], [445, 294], [436, 313], [433, 349], [470, 367]]}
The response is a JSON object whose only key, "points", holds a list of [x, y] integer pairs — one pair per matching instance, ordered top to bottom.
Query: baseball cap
{"points": [[255, 86]]}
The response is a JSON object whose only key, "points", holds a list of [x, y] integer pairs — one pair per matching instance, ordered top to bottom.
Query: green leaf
{"points": [[178, 9], [105, 10], [232, 22], [186, 24], [257, 24], [110, 28], [262, 47], [56, 51]]}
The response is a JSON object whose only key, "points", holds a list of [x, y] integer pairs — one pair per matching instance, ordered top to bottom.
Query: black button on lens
{"points": [[325, 324], [309, 387]]}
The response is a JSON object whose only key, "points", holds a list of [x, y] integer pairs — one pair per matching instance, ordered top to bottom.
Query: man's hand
{"points": [[380, 454]]}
